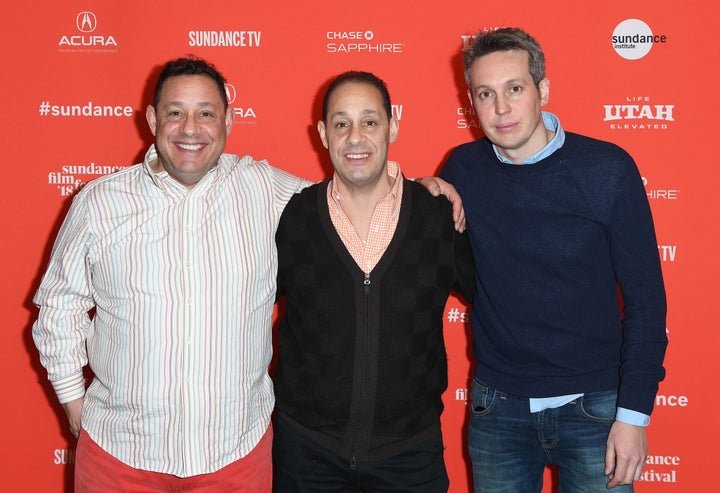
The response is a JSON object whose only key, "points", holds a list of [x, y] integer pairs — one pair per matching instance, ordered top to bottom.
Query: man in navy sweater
{"points": [[566, 373]]}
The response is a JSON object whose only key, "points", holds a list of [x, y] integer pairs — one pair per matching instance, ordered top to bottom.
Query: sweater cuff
{"points": [[69, 388]]}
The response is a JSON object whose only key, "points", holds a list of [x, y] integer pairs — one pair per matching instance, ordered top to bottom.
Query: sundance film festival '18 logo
{"points": [[87, 39], [632, 39], [67, 178]]}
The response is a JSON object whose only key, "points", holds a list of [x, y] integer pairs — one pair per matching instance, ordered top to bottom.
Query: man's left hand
{"points": [[625, 455]]}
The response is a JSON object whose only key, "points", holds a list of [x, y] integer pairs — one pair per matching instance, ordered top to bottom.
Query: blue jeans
{"points": [[510, 446]]}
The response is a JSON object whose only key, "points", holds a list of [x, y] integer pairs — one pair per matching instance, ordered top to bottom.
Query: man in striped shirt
{"points": [[176, 257]]}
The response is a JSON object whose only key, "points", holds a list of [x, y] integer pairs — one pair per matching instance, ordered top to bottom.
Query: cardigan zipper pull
{"points": [[366, 282]]}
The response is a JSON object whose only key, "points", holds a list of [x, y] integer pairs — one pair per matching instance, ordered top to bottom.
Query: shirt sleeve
{"points": [[286, 185], [64, 299], [632, 417]]}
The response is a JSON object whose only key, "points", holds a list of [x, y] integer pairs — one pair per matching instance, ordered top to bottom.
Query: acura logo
{"points": [[86, 22], [231, 93]]}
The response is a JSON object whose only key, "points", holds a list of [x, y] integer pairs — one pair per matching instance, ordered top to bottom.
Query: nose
{"points": [[502, 105], [189, 126], [355, 135]]}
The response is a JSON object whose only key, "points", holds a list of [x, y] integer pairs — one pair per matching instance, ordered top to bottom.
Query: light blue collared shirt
{"points": [[628, 416]]}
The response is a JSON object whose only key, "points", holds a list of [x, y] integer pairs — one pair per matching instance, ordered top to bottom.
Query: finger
{"points": [[460, 223], [638, 471], [622, 475]]}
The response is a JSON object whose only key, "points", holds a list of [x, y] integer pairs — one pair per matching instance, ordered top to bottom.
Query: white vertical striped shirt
{"points": [[183, 286]]}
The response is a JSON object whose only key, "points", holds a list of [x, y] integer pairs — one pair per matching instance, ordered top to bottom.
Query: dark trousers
{"points": [[301, 466]]}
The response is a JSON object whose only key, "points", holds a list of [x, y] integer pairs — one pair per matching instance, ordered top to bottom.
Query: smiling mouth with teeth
{"points": [[190, 147], [358, 156]]}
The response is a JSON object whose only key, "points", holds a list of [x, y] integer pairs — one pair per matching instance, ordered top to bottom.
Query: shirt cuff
{"points": [[69, 388], [632, 417]]}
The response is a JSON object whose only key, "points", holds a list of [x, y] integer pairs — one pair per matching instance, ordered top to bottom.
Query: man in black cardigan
{"points": [[367, 260]]}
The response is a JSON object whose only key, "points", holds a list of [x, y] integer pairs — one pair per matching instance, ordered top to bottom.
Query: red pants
{"points": [[96, 471]]}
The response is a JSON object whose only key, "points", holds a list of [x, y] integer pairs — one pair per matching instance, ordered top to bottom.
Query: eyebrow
{"points": [[514, 80], [203, 104], [363, 112]]}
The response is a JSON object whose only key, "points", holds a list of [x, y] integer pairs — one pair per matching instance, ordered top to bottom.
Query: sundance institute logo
{"points": [[632, 39]]}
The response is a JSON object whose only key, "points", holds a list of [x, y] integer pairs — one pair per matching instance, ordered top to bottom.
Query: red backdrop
{"points": [[76, 80]]}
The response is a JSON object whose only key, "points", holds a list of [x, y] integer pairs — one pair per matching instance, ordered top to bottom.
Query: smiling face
{"points": [[508, 103], [190, 125], [358, 133]]}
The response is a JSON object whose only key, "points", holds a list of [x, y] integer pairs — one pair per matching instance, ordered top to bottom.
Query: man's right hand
{"points": [[73, 409]]}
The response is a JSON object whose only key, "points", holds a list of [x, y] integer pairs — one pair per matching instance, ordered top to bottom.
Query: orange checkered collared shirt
{"points": [[384, 220]]}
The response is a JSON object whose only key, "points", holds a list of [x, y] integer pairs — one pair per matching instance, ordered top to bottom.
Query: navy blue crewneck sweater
{"points": [[552, 243]]}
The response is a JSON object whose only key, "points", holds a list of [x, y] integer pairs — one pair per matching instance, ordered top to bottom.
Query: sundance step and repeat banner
{"points": [[77, 77]]}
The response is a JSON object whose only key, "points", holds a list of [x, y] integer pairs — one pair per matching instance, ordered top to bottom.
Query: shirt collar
{"points": [[551, 123], [223, 167], [393, 169]]}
